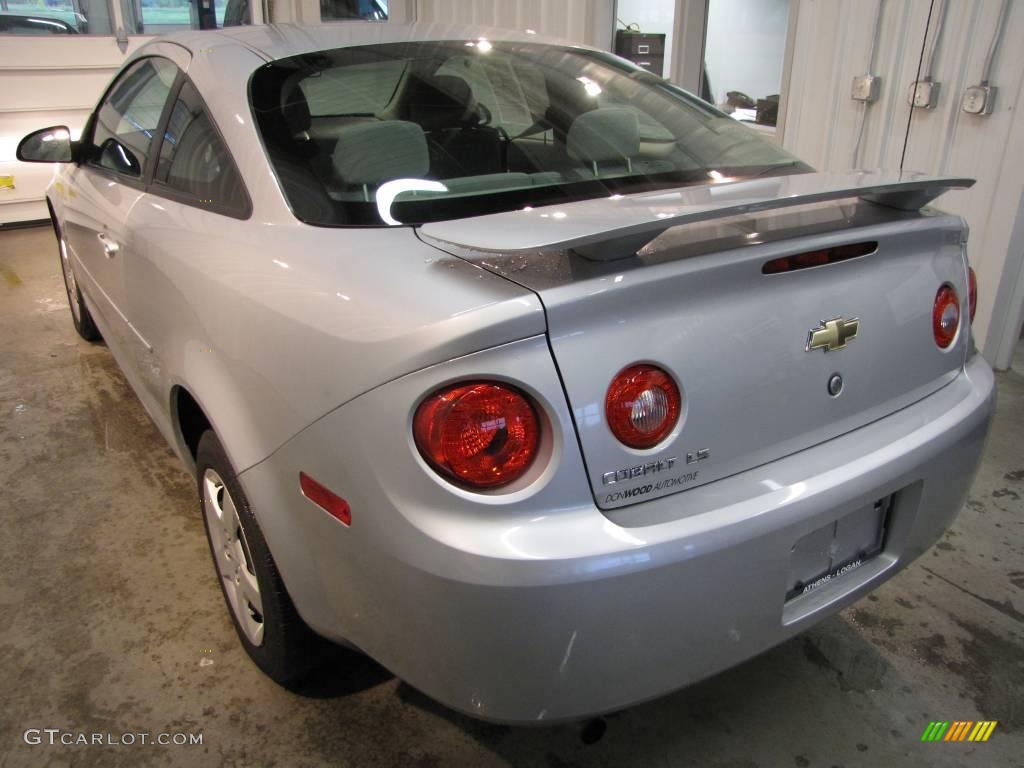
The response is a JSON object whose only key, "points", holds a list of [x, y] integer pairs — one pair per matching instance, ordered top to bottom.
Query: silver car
{"points": [[535, 378]]}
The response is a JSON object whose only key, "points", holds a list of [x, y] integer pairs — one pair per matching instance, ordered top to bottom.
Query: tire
{"points": [[84, 324], [268, 626]]}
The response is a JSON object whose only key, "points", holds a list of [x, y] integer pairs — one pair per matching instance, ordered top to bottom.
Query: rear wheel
{"points": [[84, 324], [270, 629]]}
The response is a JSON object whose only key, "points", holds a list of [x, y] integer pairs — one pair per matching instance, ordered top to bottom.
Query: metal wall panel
{"points": [[581, 21], [833, 43]]}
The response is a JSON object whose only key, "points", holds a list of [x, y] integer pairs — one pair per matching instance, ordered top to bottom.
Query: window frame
{"points": [[86, 144], [147, 181], [168, 192]]}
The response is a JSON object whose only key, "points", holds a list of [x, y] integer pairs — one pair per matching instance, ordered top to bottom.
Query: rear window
{"points": [[406, 133]]}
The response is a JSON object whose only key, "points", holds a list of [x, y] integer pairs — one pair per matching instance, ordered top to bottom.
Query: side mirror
{"points": [[49, 145], [117, 157]]}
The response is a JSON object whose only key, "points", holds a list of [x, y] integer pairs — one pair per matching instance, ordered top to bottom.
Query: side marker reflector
{"points": [[327, 500]]}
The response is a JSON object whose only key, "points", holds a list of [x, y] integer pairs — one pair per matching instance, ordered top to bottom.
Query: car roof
{"points": [[277, 41]]}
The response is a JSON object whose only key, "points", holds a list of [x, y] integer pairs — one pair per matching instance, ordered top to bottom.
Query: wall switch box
{"points": [[865, 88], [923, 94], [979, 99]]}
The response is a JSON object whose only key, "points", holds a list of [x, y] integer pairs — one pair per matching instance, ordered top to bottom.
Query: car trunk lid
{"points": [[692, 296]]}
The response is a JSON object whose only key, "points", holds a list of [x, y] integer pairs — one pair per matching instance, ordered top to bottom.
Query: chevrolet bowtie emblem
{"points": [[832, 334]]}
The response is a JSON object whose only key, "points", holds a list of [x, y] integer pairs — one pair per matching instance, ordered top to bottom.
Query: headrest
{"points": [[455, 88], [442, 101], [604, 135], [374, 152]]}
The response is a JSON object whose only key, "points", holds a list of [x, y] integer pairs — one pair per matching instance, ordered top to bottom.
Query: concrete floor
{"points": [[113, 622]]}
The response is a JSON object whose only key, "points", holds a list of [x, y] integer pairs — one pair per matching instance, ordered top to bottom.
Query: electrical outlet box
{"points": [[865, 88], [924, 94], [979, 100]]}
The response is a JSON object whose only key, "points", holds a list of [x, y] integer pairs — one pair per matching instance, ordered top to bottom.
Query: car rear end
{"points": [[753, 403], [558, 595]]}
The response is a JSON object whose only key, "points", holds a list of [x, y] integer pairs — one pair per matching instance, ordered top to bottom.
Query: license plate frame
{"points": [[855, 539]]}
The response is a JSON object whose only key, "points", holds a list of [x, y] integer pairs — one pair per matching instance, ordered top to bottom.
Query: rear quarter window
{"points": [[195, 165]]}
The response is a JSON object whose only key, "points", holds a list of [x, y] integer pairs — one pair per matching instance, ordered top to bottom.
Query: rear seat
{"points": [[369, 154]]}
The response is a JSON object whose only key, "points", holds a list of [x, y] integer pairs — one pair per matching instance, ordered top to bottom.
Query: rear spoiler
{"points": [[618, 226]]}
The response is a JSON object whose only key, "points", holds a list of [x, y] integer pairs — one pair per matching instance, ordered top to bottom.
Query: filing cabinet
{"points": [[644, 50]]}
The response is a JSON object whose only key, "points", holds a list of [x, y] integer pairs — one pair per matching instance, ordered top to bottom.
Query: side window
{"points": [[343, 10], [55, 17], [157, 17], [127, 119], [194, 161]]}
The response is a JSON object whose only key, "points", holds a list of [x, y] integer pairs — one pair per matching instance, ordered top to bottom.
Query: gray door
{"points": [[107, 185]]}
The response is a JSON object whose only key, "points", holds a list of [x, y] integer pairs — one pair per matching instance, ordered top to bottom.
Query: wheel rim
{"points": [[69, 281], [232, 555]]}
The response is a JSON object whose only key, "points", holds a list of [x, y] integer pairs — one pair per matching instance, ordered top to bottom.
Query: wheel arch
{"points": [[53, 216], [207, 398], [190, 420]]}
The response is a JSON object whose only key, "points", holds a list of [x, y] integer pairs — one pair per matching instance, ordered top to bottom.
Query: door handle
{"points": [[110, 248]]}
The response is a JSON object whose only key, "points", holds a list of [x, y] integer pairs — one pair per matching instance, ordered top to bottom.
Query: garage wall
{"points": [[584, 21], [47, 81], [827, 128]]}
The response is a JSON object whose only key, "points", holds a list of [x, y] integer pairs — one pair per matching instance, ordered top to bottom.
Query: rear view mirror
{"points": [[49, 145]]}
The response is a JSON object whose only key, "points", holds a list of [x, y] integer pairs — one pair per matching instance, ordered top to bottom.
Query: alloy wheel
{"points": [[231, 552]]}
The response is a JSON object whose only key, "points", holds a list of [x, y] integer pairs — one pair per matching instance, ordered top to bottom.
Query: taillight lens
{"points": [[972, 291], [945, 316], [642, 406], [481, 435]]}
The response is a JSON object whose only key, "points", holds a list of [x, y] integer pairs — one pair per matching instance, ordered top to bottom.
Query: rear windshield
{"points": [[406, 133]]}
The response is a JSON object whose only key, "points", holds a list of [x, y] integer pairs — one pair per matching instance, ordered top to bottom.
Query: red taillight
{"points": [[972, 291], [945, 316], [642, 406], [481, 435], [326, 499]]}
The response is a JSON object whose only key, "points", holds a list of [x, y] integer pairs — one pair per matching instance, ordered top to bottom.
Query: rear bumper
{"points": [[579, 612]]}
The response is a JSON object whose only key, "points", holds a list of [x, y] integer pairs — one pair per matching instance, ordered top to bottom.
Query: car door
{"points": [[107, 183], [196, 205]]}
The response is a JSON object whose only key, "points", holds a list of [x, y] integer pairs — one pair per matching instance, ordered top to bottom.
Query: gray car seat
{"points": [[445, 108], [606, 140], [368, 154]]}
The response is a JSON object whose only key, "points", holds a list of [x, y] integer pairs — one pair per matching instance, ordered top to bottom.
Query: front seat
{"points": [[445, 108]]}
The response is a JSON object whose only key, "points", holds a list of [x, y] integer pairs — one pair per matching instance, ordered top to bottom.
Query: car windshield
{"points": [[406, 133]]}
